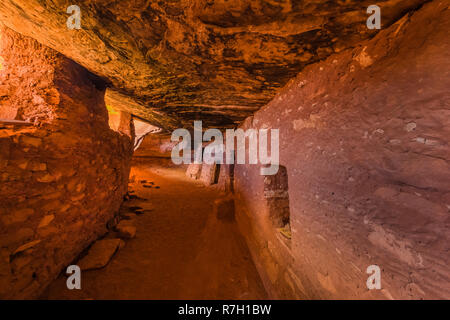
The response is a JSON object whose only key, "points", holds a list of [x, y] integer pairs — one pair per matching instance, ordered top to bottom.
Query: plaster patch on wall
{"points": [[364, 59], [312, 122]]}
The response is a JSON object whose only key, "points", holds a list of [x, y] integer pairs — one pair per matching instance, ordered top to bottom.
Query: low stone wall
{"points": [[364, 140], [61, 179]]}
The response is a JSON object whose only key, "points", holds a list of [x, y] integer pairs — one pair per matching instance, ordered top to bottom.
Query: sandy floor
{"points": [[181, 250]]}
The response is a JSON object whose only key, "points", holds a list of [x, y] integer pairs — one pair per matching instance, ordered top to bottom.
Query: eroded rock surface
{"points": [[218, 61], [364, 137], [63, 178], [126, 229], [100, 254]]}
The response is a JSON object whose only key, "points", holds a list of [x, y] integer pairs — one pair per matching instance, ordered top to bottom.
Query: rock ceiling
{"points": [[170, 62]]}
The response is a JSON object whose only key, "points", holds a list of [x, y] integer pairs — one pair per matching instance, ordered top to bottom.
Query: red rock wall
{"points": [[364, 136], [155, 146], [63, 179]]}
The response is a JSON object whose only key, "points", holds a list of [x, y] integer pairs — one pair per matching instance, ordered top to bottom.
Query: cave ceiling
{"points": [[172, 62]]}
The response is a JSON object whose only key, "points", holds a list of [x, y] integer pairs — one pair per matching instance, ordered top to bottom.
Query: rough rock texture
{"points": [[218, 61], [122, 122], [141, 130], [364, 137], [157, 146], [194, 171], [209, 174], [60, 180], [126, 229]]}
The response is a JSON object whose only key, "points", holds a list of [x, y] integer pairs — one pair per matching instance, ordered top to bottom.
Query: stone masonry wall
{"points": [[364, 137], [62, 178]]}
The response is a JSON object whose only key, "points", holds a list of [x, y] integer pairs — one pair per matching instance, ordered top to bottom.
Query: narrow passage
{"points": [[181, 250]]}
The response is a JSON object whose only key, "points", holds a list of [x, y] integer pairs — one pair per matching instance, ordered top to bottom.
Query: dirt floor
{"points": [[181, 250]]}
